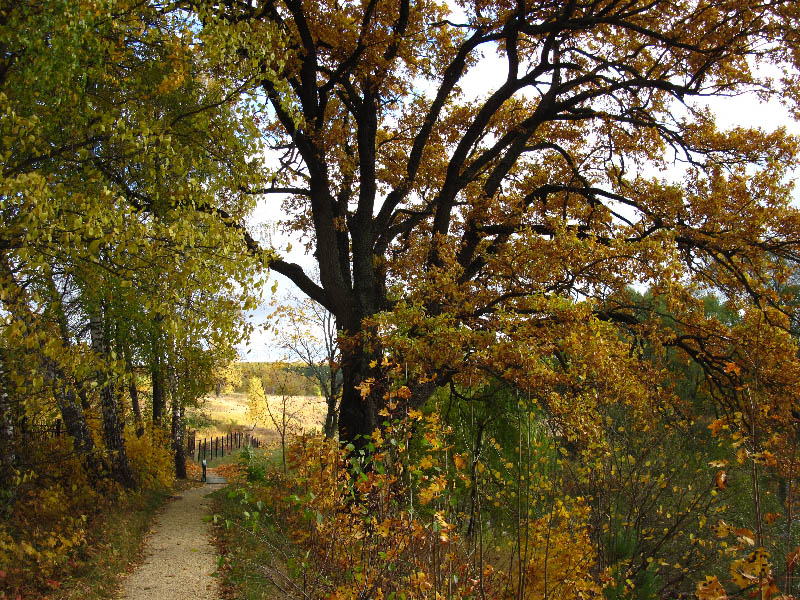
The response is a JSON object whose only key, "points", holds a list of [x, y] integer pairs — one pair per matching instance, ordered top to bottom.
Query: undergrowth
{"points": [[393, 520], [64, 536]]}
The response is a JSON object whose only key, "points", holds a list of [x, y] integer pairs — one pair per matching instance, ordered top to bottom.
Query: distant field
{"points": [[229, 412]]}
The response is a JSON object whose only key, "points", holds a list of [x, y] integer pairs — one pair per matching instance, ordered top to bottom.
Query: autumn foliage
{"points": [[564, 296], [116, 305], [388, 520], [46, 526]]}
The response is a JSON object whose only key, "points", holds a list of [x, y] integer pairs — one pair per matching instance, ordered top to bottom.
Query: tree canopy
{"points": [[115, 129]]}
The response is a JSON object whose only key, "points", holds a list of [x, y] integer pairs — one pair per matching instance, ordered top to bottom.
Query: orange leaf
{"points": [[731, 367], [716, 426], [711, 589]]}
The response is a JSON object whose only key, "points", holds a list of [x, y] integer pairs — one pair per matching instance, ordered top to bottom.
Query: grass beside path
{"points": [[244, 554], [248, 561]]}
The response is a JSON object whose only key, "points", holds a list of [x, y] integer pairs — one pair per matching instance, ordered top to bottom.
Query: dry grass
{"points": [[230, 412]]}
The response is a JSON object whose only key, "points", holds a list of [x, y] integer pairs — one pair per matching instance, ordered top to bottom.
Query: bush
{"points": [[151, 458], [256, 470], [46, 520], [380, 522], [44, 524]]}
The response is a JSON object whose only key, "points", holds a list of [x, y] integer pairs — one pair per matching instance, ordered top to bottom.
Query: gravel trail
{"points": [[179, 556]]}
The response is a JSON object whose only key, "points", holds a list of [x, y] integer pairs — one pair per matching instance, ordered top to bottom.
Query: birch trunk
{"points": [[112, 426]]}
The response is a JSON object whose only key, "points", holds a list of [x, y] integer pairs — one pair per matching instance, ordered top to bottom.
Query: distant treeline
{"points": [[296, 378]]}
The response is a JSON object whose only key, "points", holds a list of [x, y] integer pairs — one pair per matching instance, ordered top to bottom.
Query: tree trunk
{"points": [[332, 386], [159, 392], [134, 393], [73, 404], [137, 409], [72, 412], [358, 415], [331, 417], [7, 418], [76, 426], [112, 427], [178, 429], [112, 434]]}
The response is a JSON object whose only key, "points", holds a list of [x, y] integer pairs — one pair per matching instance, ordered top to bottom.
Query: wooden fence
{"points": [[26, 433], [216, 447]]}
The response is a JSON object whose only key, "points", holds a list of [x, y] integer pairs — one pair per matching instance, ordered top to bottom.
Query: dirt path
{"points": [[179, 557]]}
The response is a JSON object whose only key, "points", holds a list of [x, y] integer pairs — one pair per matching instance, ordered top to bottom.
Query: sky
{"points": [[744, 110]]}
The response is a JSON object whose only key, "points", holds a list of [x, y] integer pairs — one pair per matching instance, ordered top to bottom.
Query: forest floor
{"points": [[180, 559]]}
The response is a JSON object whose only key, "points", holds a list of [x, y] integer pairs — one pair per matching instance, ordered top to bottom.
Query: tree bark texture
{"points": [[7, 418], [112, 425], [178, 429]]}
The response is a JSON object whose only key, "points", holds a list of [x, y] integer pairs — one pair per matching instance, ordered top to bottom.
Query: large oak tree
{"points": [[416, 193], [469, 200]]}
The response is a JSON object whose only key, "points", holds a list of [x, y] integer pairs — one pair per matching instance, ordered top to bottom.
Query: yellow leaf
{"points": [[752, 569]]}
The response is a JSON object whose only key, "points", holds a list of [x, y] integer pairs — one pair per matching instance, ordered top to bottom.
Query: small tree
{"points": [[306, 331], [227, 377], [274, 408]]}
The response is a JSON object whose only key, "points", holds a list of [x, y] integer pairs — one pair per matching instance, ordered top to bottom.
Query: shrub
{"points": [[151, 458], [379, 522]]}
